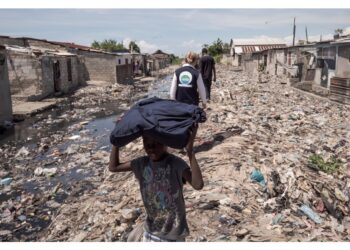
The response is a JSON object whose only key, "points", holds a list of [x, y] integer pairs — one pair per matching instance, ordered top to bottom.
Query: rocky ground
{"points": [[275, 162]]}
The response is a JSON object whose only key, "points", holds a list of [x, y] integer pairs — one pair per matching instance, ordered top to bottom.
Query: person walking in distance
{"points": [[208, 71], [187, 85]]}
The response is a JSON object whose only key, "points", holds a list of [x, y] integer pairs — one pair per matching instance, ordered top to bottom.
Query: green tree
{"points": [[338, 31], [95, 45], [108, 45], [134, 47], [216, 48], [226, 48]]}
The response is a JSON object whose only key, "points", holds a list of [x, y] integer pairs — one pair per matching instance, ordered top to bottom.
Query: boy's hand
{"points": [[193, 133]]}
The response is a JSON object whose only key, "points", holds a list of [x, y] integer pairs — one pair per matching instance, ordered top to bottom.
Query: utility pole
{"points": [[294, 32], [307, 37]]}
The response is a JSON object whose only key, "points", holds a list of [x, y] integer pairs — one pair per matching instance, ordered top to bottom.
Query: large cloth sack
{"points": [[167, 121]]}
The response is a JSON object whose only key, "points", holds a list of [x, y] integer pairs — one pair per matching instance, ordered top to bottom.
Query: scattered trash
{"points": [[248, 129], [74, 137], [22, 152], [257, 176], [6, 181], [311, 214], [22, 217], [277, 219], [228, 221], [242, 232]]}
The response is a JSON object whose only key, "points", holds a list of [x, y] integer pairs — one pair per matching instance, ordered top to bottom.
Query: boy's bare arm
{"points": [[114, 163], [194, 177]]}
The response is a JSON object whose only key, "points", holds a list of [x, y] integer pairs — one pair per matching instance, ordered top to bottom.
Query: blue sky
{"points": [[172, 30]]}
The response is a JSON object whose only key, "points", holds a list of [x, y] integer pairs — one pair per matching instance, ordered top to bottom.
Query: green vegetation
{"points": [[338, 31], [107, 45], [134, 47], [217, 49], [217, 58], [175, 60], [328, 167]]}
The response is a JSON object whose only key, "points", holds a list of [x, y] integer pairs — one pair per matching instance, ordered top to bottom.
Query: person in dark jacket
{"points": [[208, 71], [187, 85], [161, 177]]}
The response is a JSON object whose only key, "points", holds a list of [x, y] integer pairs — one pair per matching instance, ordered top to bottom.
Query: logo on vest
{"points": [[185, 79]]}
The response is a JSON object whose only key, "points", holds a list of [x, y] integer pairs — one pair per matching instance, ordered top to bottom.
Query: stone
{"points": [[242, 232]]}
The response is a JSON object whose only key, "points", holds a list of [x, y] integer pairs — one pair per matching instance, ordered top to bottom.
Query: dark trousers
{"points": [[207, 85]]}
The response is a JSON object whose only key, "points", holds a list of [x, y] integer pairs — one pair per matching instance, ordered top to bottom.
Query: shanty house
{"points": [[247, 47], [160, 60], [36, 74], [340, 82]]}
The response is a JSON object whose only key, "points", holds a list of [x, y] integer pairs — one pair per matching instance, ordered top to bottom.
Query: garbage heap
{"points": [[275, 162]]}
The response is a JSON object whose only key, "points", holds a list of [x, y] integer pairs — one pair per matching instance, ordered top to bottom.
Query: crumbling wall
{"points": [[12, 41], [43, 44], [227, 60], [343, 62], [250, 63], [100, 66], [25, 73], [83, 73], [124, 74], [68, 83], [5, 95]]}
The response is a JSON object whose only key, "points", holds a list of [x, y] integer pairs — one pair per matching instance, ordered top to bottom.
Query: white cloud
{"points": [[346, 31], [126, 42], [191, 45], [144, 46], [147, 47]]}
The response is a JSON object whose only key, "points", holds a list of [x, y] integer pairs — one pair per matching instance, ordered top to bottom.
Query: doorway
{"points": [[56, 76]]}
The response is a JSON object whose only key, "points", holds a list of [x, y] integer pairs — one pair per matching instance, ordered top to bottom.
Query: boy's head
{"points": [[154, 149]]}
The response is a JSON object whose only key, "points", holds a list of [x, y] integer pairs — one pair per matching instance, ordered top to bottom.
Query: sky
{"points": [[171, 30]]}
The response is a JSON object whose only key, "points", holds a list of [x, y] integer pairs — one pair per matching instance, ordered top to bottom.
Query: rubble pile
{"points": [[275, 163]]}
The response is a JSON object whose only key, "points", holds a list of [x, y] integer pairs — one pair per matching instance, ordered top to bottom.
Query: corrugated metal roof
{"points": [[258, 41], [71, 45], [253, 49]]}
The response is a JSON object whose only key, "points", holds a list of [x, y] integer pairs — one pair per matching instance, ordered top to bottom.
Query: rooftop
{"points": [[258, 41]]}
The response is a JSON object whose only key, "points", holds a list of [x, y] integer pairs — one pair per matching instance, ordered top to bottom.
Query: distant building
{"points": [[246, 47], [160, 60]]}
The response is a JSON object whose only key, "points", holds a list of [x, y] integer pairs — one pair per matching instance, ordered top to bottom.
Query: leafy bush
{"points": [[217, 58], [329, 167]]}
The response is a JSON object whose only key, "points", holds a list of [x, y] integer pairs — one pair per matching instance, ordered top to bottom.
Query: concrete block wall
{"points": [[343, 62], [100, 66], [25, 73], [83, 74], [124, 74], [67, 86], [5, 94]]}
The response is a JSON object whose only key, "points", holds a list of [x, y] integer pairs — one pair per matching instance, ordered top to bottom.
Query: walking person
{"points": [[208, 71], [187, 85], [161, 177]]}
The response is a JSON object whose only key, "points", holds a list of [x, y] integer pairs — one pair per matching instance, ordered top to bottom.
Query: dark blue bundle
{"points": [[167, 121]]}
